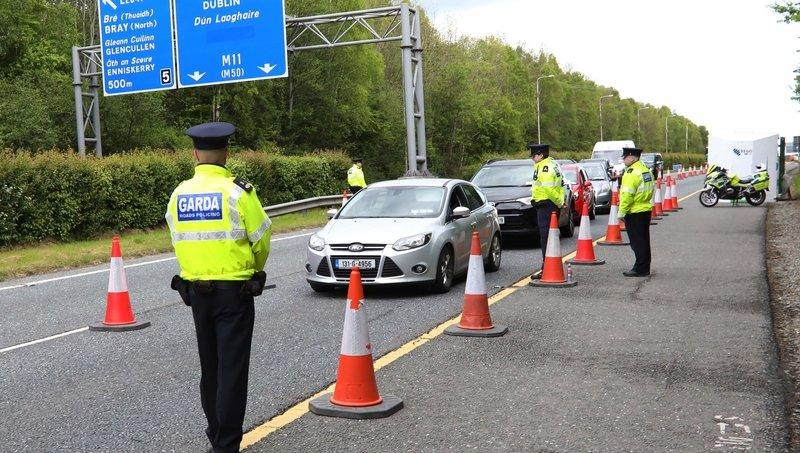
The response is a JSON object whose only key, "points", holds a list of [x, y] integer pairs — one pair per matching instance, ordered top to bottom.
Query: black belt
{"points": [[217, 284]]}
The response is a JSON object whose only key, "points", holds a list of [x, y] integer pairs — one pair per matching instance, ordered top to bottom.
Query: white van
{"points": [[612, 152]]}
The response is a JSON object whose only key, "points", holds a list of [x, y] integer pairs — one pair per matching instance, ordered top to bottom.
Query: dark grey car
{"points": [[601, 183]]}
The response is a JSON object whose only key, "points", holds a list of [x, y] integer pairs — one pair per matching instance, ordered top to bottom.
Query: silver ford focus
{"points": [[405, 231]]}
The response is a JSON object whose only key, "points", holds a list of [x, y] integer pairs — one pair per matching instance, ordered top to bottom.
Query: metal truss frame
{"points": [[373, 26]]}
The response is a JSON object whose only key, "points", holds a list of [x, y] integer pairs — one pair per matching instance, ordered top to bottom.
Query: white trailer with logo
{"points": [[740, 155]]}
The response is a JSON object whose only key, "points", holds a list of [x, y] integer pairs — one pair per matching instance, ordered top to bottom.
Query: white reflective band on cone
{"points": [[658, 195], [612, 215], [585, 231], [553, 245], [116, 279], [476, 280], [355, 337]]}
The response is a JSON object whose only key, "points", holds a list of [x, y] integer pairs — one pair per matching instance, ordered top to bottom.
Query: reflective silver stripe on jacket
{"points": [[546, 184], [627, 190], [233, 200], [259, 233], [209, 235]]}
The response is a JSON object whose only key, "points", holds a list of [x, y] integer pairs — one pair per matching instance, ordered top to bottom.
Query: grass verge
{"points": [[45, 257]]}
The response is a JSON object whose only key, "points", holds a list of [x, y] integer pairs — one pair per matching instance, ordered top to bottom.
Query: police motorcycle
{"points": [[720, 185]]}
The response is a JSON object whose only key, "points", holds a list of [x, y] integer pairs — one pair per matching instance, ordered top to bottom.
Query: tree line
{"points": [[480, 97]]}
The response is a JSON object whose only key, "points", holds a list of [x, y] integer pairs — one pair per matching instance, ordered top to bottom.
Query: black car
{"points": [[654, 162], [507, 185]]}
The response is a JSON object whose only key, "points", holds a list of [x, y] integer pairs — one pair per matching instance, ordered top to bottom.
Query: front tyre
{"points": [[709, 198], [756, 198], [492, 263], [444, 271]]}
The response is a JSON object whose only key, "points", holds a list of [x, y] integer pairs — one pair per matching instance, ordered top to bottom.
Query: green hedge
{"points": [[62, 197]]}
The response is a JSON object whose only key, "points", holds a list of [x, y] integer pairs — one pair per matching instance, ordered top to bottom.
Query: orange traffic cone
{"points": [[674, 195], [668, 196], [658, 206], [613, 232], [585, 253], [553, 267], [119, 315], [475, 318], [356, 392]]}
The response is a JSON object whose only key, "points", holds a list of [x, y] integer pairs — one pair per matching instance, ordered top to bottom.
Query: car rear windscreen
{"points": [[613, 156], [504, 176]]}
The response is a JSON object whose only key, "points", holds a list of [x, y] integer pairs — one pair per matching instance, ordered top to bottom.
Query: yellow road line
{"points": [[262, 431]]}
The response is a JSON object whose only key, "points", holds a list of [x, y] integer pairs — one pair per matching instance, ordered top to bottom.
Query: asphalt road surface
{"points": [[137, 391]]}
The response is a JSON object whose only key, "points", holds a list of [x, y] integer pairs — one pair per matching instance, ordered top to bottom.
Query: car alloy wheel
{"points": [[495, 255], [444, 271]]}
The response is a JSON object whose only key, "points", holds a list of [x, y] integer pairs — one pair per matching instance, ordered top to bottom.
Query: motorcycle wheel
{"points": [[709, 198], [756, 198]]}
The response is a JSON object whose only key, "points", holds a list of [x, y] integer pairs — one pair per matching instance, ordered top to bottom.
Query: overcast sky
{"points": [[727, 65]]}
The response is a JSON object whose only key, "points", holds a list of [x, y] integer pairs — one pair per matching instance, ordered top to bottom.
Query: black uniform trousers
{"points": [[543, 210], [638, 225], [223, 321]]}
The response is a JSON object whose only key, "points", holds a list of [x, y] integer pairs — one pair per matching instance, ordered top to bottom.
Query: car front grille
{"points": [[367, 247], [390, 269], [365, 273]]}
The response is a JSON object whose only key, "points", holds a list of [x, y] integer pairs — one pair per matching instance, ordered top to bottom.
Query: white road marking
{"points": [[100, 271], [41, 340], [739, 439]]}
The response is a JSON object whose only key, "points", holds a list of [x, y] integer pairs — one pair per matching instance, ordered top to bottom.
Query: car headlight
{"points": [[526, 200], [412, 242], [316, 243]]}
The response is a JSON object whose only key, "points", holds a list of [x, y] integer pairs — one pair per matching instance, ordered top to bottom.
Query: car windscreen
{"points": [[613, 156], [648, 159], [595, 172], [504, 176], [571, 176], [394, 202]]}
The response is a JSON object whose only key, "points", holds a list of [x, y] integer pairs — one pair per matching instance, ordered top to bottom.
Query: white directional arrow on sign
{"points": [[110, 3], [267, 67], [196, 75]]}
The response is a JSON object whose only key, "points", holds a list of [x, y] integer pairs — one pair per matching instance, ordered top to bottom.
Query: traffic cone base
{"points": [[614, 243], [587, 263], [541, 284], [476, 321], [137, 325], [495, 331], [322, 405]]}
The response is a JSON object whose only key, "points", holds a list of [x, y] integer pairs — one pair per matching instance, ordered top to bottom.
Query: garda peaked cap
{"points": [[211, 136], [539, 148], [631, 152], [358, 159]]}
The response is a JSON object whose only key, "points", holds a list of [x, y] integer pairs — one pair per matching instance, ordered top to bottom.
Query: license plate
{"points": [[501, 220], [349, 264]]}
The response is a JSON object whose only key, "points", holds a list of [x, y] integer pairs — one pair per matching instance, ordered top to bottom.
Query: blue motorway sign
{"points": [[136, 41], [226, 41]]}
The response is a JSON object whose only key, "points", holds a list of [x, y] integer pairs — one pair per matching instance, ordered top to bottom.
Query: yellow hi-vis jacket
{"points": [[355, 177], [548, 183], [636, 189], [219, 229]]}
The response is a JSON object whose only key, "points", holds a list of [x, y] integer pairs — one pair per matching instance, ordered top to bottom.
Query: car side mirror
{"points": [[461, 212], [331, 213]]}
